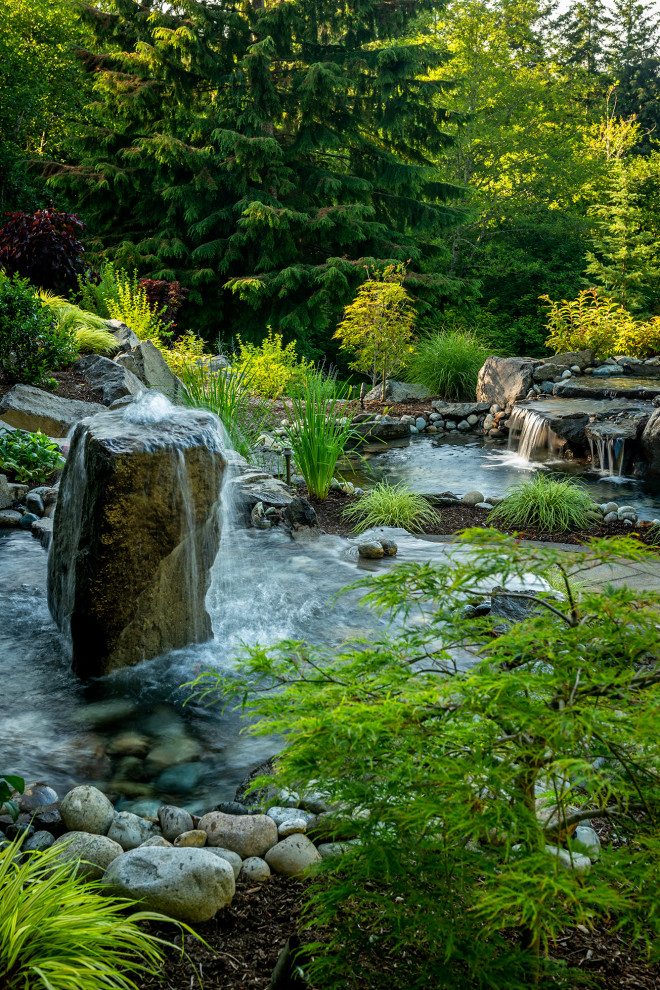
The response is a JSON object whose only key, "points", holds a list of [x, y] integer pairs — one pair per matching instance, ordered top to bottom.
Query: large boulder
{"points": [[149, 366], [109, 380], [503, 381], [400, 392], [32, 409], [460, 410], [650, 441], [136, 532], [188, 883]]}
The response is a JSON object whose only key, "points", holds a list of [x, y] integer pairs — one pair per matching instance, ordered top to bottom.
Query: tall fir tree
{"points": [[581, 33], [633, 34], [262, 154]]}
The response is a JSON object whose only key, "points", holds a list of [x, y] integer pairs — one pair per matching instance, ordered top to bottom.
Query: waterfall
{"points": [[530, 434], [607, 454]]}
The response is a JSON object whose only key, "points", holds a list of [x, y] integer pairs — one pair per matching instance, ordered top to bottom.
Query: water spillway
{"points": [[136, 531]]}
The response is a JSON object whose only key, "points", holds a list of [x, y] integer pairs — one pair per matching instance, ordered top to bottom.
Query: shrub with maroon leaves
{"points": [[43, 247]]}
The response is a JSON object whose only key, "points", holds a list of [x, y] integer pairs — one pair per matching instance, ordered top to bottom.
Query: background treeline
{"points": [[266, 154]]}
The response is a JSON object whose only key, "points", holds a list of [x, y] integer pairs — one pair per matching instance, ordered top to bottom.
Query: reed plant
{"points": [[448, 362], [228, 394], [320, 426], [547, 503], [391, 505], [57, 933]]}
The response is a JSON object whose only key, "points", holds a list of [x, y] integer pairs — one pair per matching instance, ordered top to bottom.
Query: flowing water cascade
{"points": [[530, 435], [607, 454]]}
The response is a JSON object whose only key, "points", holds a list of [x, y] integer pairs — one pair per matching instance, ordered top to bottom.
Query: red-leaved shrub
{"points": [[44, 248]]}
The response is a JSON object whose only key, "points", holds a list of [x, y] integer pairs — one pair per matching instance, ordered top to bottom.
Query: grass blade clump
{"points": [[89, 330], [448, 363], [227, 393], [319, 429], [546, 503], [391, 505], [57, 933]]}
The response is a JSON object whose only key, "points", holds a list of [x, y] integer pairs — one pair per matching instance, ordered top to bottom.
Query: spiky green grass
{"points": [[90, 331], [448, 363], [546, 503], [391, 505]]}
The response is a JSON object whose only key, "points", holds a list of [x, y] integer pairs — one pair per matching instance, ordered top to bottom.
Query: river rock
{"points": [[126, 339], [149, 366], [108, 379], [505, 380], [399, 392], [32, 409], [459, 410], [6, 492], [472, 498], [34, 503], [9, 518], [136, 532], [371, 550], [128, 744], [35, 796], [86, 809], [281, 815], [174, 821], [294, 826], [129, 830], [247, 835], [196, 838], [588, 838], [38, 842], [96, 852], [229, 856], [292, 856], [572, 862], [254, 868], [186, 884]]}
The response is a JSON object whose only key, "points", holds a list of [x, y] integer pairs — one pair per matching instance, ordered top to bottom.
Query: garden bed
{"points": [[70, 385], [454, 518]]}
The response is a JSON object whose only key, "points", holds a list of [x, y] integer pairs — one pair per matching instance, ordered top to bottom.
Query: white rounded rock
{"points": [[86, 809], [280, 815], [295, 826], [247, 835], [588, 838], [94, 852], [292, 856], [254, 868], [187, 884]]}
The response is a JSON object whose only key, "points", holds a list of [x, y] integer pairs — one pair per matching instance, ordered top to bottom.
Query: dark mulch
{"points": [[70, 385], [454, 518], [245, 940]]}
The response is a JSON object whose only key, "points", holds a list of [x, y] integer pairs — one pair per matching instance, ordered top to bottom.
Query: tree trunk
{"points": [[384, 392]]}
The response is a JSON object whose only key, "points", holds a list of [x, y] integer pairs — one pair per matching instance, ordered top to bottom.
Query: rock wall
{"points": [[135, 534]]}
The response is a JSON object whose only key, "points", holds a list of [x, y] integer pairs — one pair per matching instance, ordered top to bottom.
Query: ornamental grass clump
{"points": [[87, 329], [448, 363], [320, 426], [545, 503], [391, 505], [462, 751], [58, 933]]}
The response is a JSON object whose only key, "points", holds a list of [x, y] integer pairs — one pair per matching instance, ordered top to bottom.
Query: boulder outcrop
{"points": [[148, 365], [503, 381], [32, 409]]}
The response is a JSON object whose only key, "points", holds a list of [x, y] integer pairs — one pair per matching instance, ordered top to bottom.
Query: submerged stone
{"points": [[136, 532]]}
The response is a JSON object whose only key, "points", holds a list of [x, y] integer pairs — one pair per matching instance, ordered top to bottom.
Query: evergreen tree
{"points": [[582, 34], [633, 35], [263, 154], [625, 258]]}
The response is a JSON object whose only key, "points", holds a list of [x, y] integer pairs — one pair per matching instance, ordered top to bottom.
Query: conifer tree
{"points": [[582, 32], [633, 35], [263, 154]]}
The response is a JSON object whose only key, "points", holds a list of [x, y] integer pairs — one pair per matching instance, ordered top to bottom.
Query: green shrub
{"points": [[120, 296], [89, 330], [32, 345], [448, 363], [273, 367], [228, 394], [320, 426], [29, 456], [549, 504], [391, 505], [458, 751], [8, 784], [57, 933]]}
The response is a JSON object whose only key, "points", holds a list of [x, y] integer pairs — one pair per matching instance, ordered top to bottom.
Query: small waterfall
{"points": [[530, 434], [607, 454]]}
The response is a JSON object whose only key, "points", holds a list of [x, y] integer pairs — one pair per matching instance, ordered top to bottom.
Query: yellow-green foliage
{"points": [[132, 307], [595, 321], [378, 325], [90, 331], [185, 353], [273, 368], [58, 933]]}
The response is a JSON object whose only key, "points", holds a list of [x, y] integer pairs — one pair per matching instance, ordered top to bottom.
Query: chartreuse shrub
{"points": [[115, 294], [593, 320], [89, 331], [32, 344], [186, 351], [448, 363], [273, 366], [229, 394], [320, 425], [29, 456], [549, 504], [391, 505], [459, 750], [58, 933]]}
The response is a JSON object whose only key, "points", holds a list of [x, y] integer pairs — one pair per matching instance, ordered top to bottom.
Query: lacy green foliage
{"points": [[44, 248], [114, 294], [596, 321], [377, 326], [89, 330], [32, 344], [448, 362], [273, 366], [229, 395], [319, 428], [29, 456], [549, 504], [391, 505], [435, 739], [8, 784], [58, 933]]}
